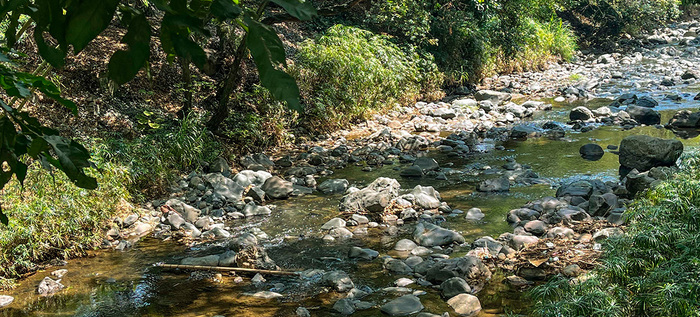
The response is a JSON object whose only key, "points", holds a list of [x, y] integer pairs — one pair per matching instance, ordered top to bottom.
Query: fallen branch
{"points": [[224, 269]]}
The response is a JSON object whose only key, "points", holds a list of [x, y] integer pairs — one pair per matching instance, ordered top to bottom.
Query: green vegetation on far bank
{"points": [[652, 270]]}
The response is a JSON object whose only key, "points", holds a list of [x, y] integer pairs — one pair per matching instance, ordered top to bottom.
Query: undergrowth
{"points": [[52, 218], [652, 270]]}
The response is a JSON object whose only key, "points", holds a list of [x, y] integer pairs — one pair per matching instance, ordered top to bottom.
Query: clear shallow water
{"points": [[127, 284]]}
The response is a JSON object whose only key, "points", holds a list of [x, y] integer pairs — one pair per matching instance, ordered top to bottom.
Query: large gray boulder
{"points": [[581, 114], [685, 119], [643, 152], [334, 186], [277, 188], [426, 197], [430, 235], [469, 268], [338, 280], [454, 286], [465, 305]]}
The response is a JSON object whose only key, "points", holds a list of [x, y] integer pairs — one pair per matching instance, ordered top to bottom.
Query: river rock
{"points": [[495, 97], [647, 102], [581, 114], [644, 115], [685, 119], [591, 152], [643, 152], [426, 163], [412, 171], [248, 177], [636, 182], [501, 184], [334, 186], [277, 188], [577, 188], [426, 197], [373, 198], [599, 205], [251, 210], [474, 214], [175, 220], [333, 223], [535, 227], [606, 233], [430, 235], [519, 242], [405, 245], [494, 247], [363, 254], [209, 260], [467, 267], [338, 280], [48, 286], [454, 286], [266, 295], [6, 300], [465, 305], [344, 306], [403, 306], [303, 312]]}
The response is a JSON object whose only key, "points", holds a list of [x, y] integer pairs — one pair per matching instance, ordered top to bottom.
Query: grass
{"points": [[52, 218], [653, 270]]}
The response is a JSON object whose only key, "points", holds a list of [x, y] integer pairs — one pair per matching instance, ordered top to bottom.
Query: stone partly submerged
{"points": [[642, 152], [403, 306]]}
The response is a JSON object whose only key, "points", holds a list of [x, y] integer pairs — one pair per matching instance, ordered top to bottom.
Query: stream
{"points": [[126, 283]]}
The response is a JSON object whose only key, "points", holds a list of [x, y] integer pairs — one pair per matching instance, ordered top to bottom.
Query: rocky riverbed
{"points": [[446, 208]]}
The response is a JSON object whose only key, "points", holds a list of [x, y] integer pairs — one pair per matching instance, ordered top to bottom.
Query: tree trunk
{"points": [[223, 94]]}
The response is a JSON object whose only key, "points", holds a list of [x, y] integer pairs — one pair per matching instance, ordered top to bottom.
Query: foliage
{"points": [[611, 17], [347, 73], [154, 159], [51, 218], [653, 270]]}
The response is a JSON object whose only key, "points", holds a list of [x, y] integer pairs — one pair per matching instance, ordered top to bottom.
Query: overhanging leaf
{"points": [[225, 9], [301, 10], [90, 18], [264, 43], [189, 50], [124, 65], [73, 158]]}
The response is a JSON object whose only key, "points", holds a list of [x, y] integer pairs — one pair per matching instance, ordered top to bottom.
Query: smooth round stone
{"points": [[405, 245], [403, 282], [6, 300], [465, 305], [403, 306]]}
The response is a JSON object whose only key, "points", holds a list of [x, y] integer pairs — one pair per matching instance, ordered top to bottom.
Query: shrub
{"points": [[611, 17], [348, 73], [154, 159], [52, 218], [653, 270]]}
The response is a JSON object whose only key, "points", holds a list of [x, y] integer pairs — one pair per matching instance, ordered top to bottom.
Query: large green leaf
{"points": [[225, 9], [301, 10], [89, 20], [189, 50], [268, 52], [55, 56], [124, 65], [73, 158]]}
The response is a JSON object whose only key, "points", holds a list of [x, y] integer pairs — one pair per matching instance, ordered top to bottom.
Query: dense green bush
{"points": [[611, 17], [348, 73], [50, 217], [653, 270]]}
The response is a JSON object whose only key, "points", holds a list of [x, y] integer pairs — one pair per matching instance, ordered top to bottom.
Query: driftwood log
{"points": [[224, 269]]}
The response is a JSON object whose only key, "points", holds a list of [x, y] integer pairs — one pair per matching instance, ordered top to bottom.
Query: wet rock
{"points": [[647, 102], [581, 114], [644, 115], [685, 119], [524, 131], [591, 152], [643, 152], [426, 163], [412, 171], [501, 184], [334, 186], [277, 188], [577, 188], [426, 197], [251, 210], [474, 214], [522, 214], [334, 223], [340, 233], [430, 235], [227, 258], [398, 267], [59, 273], [338, 280], [454, 286], [48, 287], [6, 300], [465, 305], [344, 306], [403, 306], [303, 312]]}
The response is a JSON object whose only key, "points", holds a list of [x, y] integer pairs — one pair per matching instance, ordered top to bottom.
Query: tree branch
{"points": [[330, 11]]}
